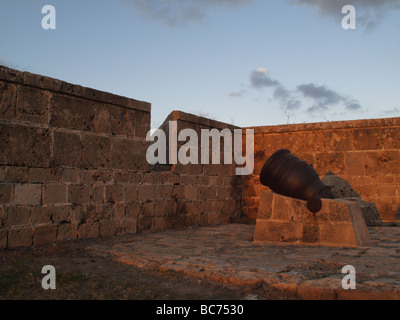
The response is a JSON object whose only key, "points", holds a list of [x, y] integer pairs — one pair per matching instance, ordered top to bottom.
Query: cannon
{"points": [[286, 174]]}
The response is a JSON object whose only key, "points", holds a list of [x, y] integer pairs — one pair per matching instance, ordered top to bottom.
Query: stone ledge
{"points": [[55, 85], [334, 125], [286, 220]]}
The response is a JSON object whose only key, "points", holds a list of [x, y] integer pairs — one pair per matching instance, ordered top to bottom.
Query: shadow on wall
{"points": [[341, 188], [397, 217]]}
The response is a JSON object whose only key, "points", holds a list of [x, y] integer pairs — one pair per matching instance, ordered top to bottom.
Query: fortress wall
{"points": [[366, 153], [73, 166]]}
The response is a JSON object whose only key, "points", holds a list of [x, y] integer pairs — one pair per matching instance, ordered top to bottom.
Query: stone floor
{"points": [[227, 253]]}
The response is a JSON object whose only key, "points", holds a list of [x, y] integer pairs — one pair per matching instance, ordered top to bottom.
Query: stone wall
{"points": [[365, 153], [73, 166]]}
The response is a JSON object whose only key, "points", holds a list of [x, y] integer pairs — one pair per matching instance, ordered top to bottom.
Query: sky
{"points": [[243, 62]]}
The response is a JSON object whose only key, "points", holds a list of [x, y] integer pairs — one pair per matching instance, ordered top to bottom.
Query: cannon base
{"points": [[283, 219]]}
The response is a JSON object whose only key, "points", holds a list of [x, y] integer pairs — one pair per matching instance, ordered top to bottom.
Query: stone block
{"points": [[39, 81], [8, 94], [32, 105], [72, 112], [131, 120], [101, 121], [142, 124], [391, 138], [368, 139], [339, 140], [24, 146], [67, 149], [96, 152], [129, 154], [329, 161], [382, 162], [354, 164], [16, 174], [40, 175], [70, 175], [6, 192], [54, 193], [114, 193], [131, 193], [147, 193], [193, 193], [27, 194], [78, 194], [97, 194], [165, 208], [148, 209], [132, 210], [106, 211], [118, 212], [62, 214], [80, 214], [42, 215], [17, 216], [339, 223], [145, 224], [129, 226], [107, 227], [89, 230], [66, 231], [278, 231], [44, 235], [3, 238], [20, 238]]}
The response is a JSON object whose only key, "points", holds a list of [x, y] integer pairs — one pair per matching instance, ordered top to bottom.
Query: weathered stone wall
{"points": [[366, 153], [73, 166], [212, 192]]}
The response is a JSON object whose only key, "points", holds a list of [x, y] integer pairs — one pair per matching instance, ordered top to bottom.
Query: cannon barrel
{"points": [[287, 175]]}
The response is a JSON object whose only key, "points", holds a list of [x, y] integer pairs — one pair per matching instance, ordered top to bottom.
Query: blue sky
{"points": [[246, 62]]}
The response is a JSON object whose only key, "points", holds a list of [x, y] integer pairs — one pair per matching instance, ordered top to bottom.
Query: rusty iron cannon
{"points": [[287, 175]]}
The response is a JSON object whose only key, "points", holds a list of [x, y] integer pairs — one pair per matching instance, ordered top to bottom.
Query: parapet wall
{"points": [[366, 153], [73, 166]]}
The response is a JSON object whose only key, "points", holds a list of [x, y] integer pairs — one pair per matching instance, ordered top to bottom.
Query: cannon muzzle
{"points": [[287, 175]]}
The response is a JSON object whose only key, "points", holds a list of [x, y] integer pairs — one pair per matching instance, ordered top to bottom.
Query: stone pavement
{"points": [[227, 253]]}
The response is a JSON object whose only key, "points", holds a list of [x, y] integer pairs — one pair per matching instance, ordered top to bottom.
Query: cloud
{"points": [[181, 12], [369, 12], [260, 79], [320, 94], [324, 98], [286, 99], [353, 105]]}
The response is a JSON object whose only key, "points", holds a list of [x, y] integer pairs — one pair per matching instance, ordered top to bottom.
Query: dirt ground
{"points": [[86, 275]]}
